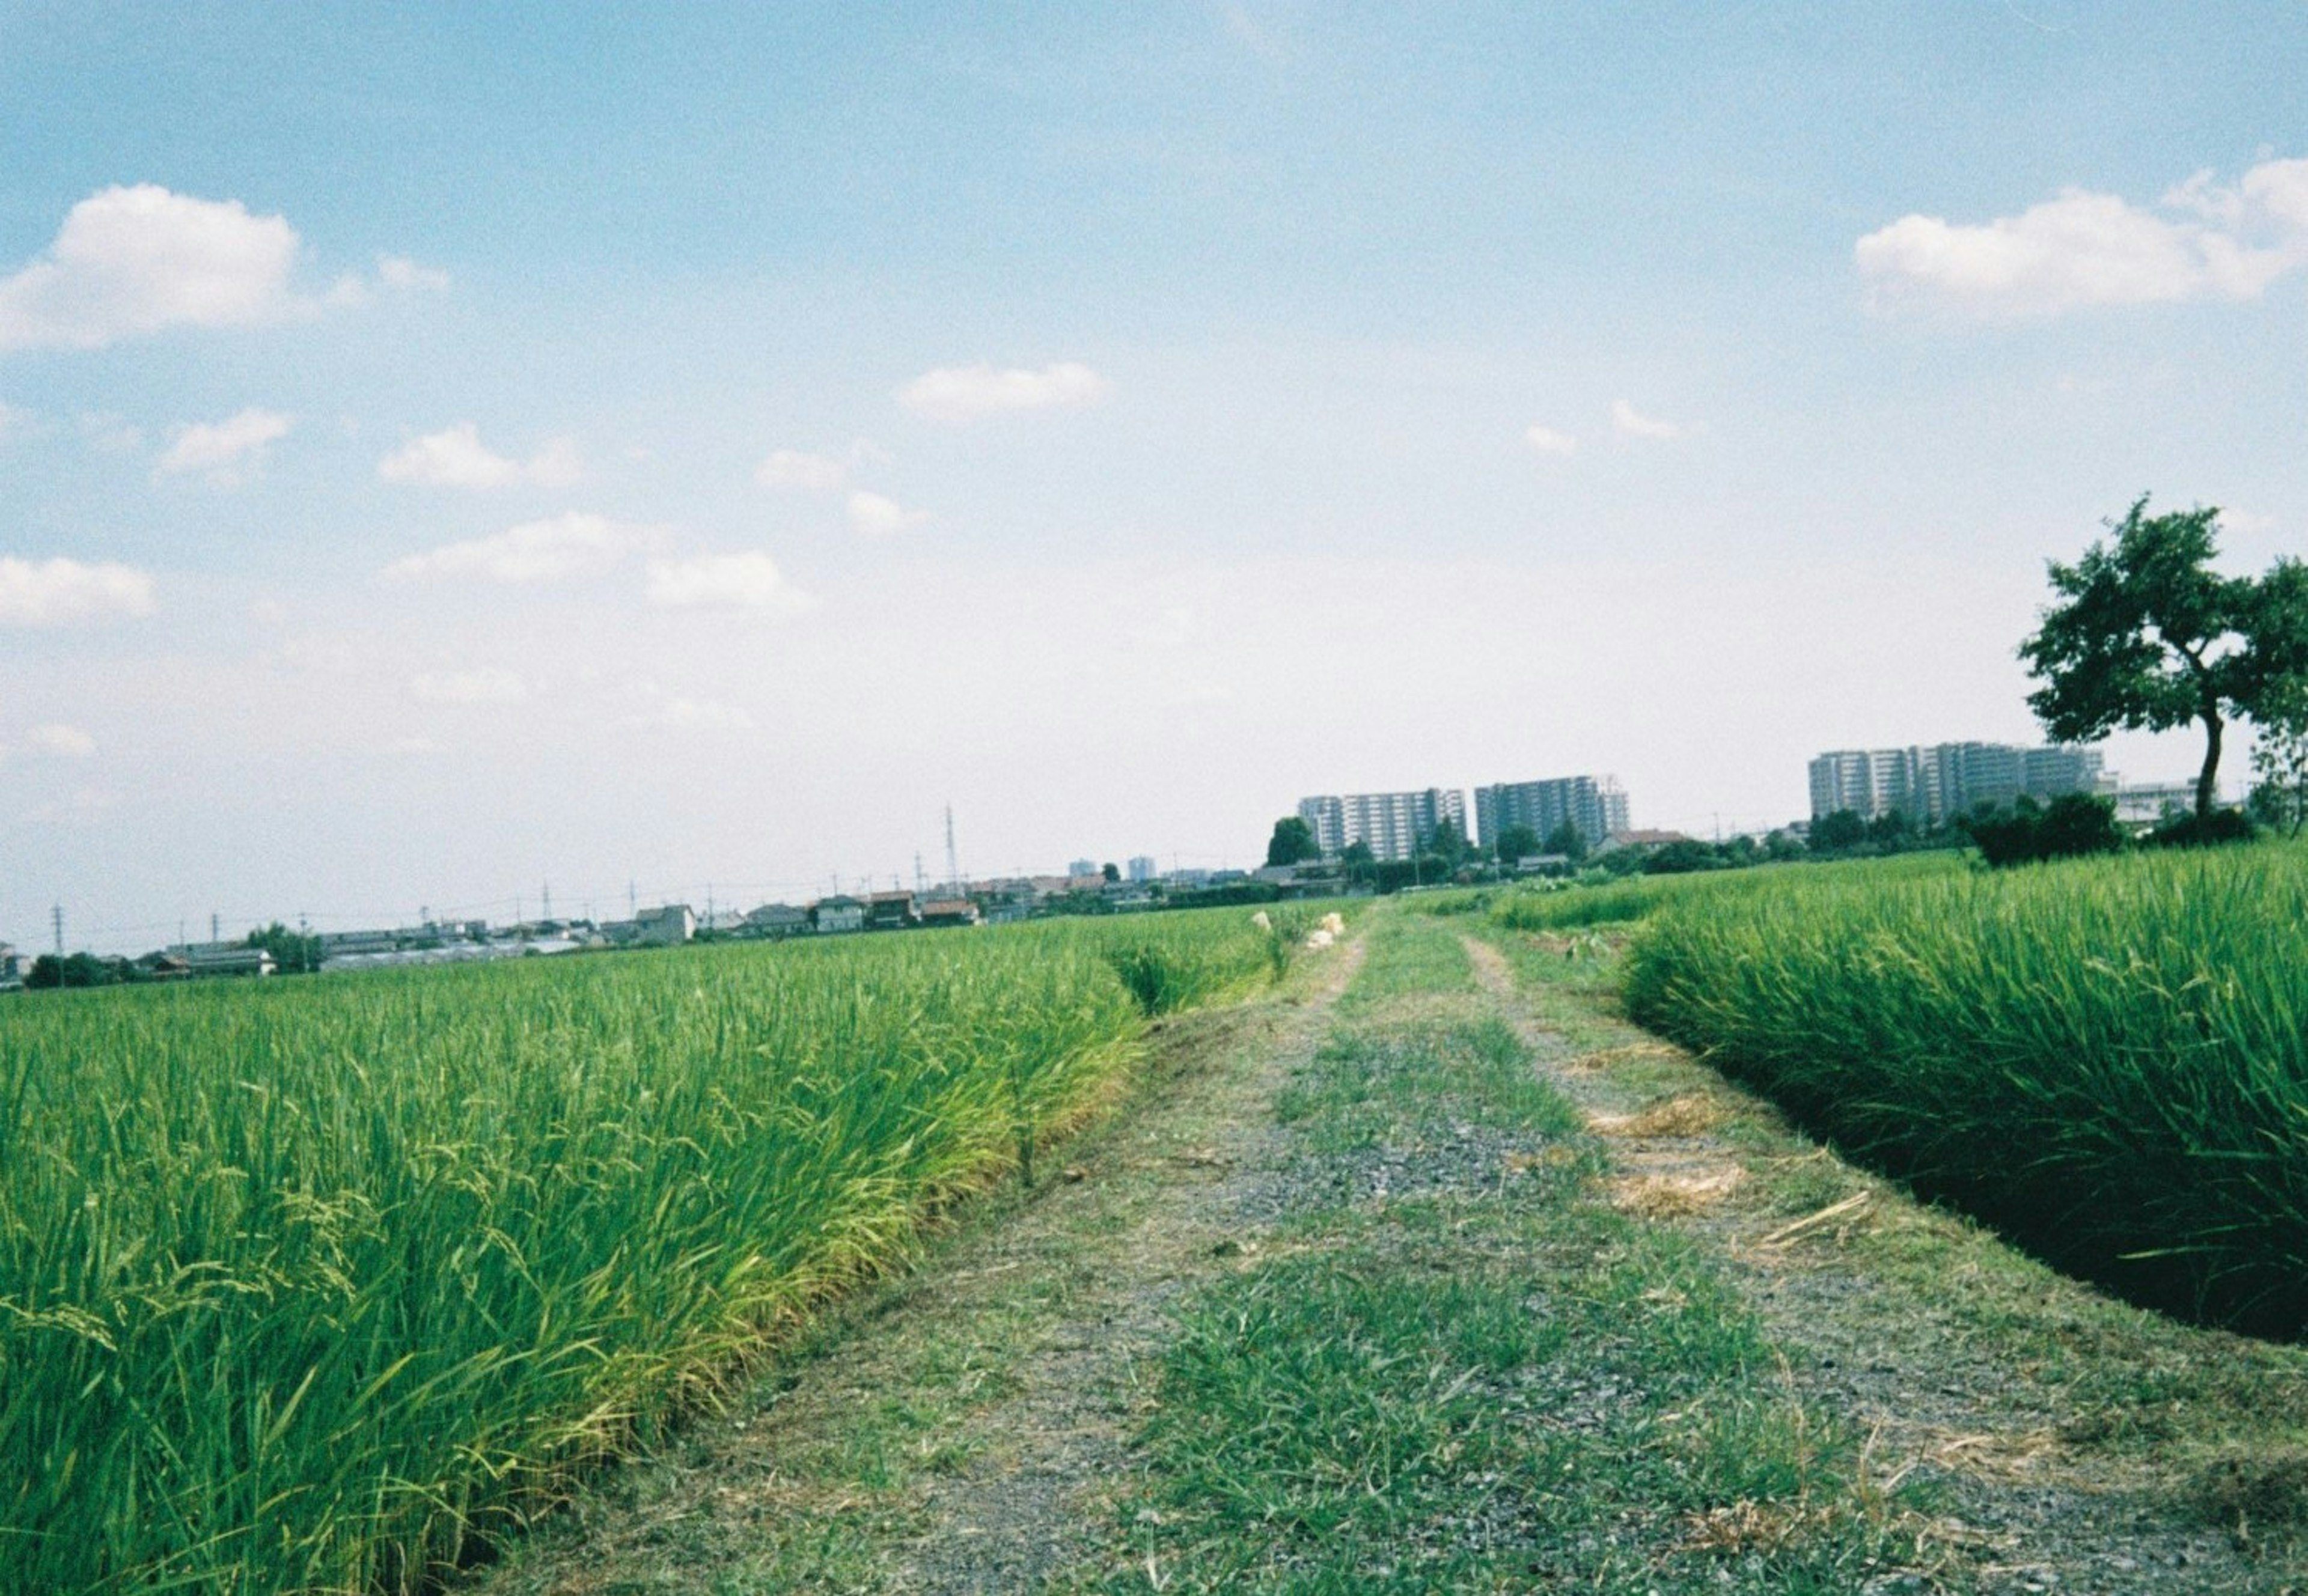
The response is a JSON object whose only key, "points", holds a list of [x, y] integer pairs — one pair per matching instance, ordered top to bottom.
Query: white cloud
{"points": [[2085, 249], [137, 260], [405, 275], [960, 393], [1630, 423], [1548, 441], [224, 448], [456, 456], [798, 468], [873, 516], [555, 550], [745, 581], [59, 592], [487, 685], [695, 715], [65, 742]]}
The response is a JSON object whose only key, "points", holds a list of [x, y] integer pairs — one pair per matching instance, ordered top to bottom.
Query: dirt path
{"points": [[1967, 1365], [959, 1429]]}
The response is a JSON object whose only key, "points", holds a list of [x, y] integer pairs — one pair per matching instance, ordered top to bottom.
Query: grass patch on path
{"points": [[1453, 1367]]}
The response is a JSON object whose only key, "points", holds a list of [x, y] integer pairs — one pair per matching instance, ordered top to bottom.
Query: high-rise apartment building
{"points": [[1947, 779], [1595, 806], [1395, 825]]}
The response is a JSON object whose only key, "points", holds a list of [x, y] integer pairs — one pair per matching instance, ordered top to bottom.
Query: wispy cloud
{"points": [[2202, 241], [399, 272], [963, 393], [1630, 423], [1546, 440], [224, 450], [455, 456], [800, 468], [871, 515], [559, 549], [749, 582], [62, 592], [486, 686], [699, 714], [60, 741]]}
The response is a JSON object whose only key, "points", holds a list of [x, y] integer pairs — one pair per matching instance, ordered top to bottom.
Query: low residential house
{"points": [[2151, 803], [1641, 838], [1545, 864], [891, 911], [950, 911], [837, 915], [778, 919], [725, 923], [667, 927], [343, 944], [221, 960], [12, 965], [165, 966]]}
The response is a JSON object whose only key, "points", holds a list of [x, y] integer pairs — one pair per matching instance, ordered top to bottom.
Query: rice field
{"points": [[2107, 1060], [317, 1284]]}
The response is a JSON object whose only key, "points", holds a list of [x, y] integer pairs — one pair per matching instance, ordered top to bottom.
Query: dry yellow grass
{"points": [[1691, 1114], [1675, 1196]]}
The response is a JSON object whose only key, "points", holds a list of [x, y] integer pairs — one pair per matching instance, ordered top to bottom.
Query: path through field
{"points": [[1424, 1271]]}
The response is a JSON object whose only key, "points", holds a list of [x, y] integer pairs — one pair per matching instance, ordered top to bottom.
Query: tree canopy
{"points": [[2145, 635], [1293, 841]]}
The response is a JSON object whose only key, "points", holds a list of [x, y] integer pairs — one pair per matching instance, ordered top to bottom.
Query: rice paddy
{"points": [[2106, 1059], [319, 1285]]}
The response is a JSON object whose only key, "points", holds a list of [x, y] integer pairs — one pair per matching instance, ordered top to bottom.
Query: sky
{"points": [[449, 451]]}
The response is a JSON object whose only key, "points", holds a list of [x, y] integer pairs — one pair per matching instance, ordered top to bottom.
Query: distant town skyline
{"points": [[443, 451]]}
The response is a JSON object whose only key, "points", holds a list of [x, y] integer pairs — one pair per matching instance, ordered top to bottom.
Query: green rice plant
{"points": [[1534, 907], [2106, 1059], [321, 1285]]}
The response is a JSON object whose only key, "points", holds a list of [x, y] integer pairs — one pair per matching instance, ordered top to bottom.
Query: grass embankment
{"points": [[2106, 1059], [307, 1286], [1457, 1367]]}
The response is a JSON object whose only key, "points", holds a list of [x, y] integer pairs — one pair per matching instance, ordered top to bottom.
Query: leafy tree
{"points": [[2146, 635], [2279, 756], [2072, 824], [1891, 829], [1838, 832], [1566, 839], [1293, 841], [1518, 842], [1449, 844], [1782, 846], [1682, 856], [1110, 871], [292, 954], [74, 969]]}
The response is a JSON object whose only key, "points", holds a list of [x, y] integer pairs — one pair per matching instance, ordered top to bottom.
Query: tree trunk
{"points": [[2207, 778]]}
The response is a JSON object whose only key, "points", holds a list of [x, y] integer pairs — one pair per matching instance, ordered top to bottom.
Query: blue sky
{"points": [[454, 449]]}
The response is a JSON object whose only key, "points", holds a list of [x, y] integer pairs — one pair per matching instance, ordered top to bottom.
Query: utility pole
{"points": [[952, 859], [921, 882], [633, 899], [546, 913], [57, 917], [216, 927]]}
